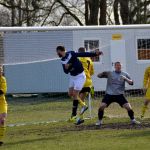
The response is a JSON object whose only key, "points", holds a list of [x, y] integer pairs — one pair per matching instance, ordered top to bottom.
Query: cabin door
{"points": [[118, 53]]}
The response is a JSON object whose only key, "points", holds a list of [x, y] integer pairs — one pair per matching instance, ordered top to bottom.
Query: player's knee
{"points": [[70, 94], [75, 94], [81, 95], [127, 106], [102, 107]]}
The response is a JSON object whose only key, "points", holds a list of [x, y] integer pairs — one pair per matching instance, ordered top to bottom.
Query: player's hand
{"points": [[98, 52], [67, 66]]}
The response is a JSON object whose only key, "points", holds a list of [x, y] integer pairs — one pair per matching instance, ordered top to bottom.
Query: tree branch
{"points": [[69, 12]]}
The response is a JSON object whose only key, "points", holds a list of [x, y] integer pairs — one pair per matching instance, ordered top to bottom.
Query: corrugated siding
{"points": [[135, 69], [36, 77], [49, 77]]}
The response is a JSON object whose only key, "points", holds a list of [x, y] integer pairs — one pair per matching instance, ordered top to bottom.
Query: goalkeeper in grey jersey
{"points": [[115, 92]]}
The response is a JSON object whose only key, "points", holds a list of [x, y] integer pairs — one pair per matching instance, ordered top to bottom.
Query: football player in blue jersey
{"points": [[72, 66]]}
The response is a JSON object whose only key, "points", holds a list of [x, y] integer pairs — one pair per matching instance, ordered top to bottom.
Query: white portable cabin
{"points": [[129, 44]]}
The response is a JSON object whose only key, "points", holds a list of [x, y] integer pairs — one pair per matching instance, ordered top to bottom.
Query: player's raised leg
{"points": [[83, 94]]}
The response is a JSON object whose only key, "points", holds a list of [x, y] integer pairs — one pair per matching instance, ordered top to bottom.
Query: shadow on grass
{"points": [[34, 100], [109, 126], [137, 134], [55, 137], [32, 140]]}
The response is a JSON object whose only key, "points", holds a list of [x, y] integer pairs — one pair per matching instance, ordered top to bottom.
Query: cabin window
{"points": [[90, 46], [143, 47]]}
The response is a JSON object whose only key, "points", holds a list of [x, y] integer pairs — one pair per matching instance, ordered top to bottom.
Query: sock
{"points": [[92, 92], [81, 102], [75, 107], [144, 108], [100, 114], [131, 114], [81, 117], [2, 132]]}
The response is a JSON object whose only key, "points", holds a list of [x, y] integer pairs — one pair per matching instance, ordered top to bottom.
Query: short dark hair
{"points": [[60, 48], [81, 49], [117, 62]]}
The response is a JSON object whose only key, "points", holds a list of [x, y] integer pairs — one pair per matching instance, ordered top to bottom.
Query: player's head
{"points": [[81, 50], [60, 51], [118, 66], [1, 70]]}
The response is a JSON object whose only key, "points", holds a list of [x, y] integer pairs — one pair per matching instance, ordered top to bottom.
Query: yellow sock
{"points": [[81, 102], [144, 108], [81, 116], [2, 132]]}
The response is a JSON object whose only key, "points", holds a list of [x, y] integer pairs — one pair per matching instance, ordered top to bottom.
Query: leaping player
{"points": [[72, 65], [89, 71]]}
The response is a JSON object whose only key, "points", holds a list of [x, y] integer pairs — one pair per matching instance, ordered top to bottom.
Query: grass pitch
{"points": [[115, 134]]}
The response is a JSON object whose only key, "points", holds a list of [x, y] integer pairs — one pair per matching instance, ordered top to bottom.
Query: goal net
{"points": [[37, 86]]}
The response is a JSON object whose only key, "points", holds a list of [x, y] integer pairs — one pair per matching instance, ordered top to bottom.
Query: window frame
{"points": [[94, 39], [136, 42]]}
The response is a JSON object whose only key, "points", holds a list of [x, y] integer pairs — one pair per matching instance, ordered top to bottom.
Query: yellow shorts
{"points": [[88, 83], [147, 96], [3, 108]]}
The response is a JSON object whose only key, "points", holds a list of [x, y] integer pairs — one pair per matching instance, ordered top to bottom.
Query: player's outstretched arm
{"points": [[89, 54], [103, 75]]}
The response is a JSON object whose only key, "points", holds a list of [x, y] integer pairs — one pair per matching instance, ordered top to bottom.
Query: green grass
{"points": [[36, 109], [116, 133], [64, 136]]}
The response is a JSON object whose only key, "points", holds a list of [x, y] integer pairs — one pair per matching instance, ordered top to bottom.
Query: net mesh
{"points": [[31, 66]]}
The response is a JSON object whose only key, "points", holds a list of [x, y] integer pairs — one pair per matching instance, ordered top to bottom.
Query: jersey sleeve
{"points": [[86, 54], [104, 74], [128, 76], [146, 77], [3, 87]]}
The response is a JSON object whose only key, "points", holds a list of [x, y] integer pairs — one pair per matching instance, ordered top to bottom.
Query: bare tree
{"points": [[131, 11], [76, 12], [103, 12], [116, 12], [5, 19]]}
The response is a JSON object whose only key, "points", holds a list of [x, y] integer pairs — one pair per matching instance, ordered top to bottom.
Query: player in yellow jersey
{"points": [[89, 71], [146, 86], [3, 105]]}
